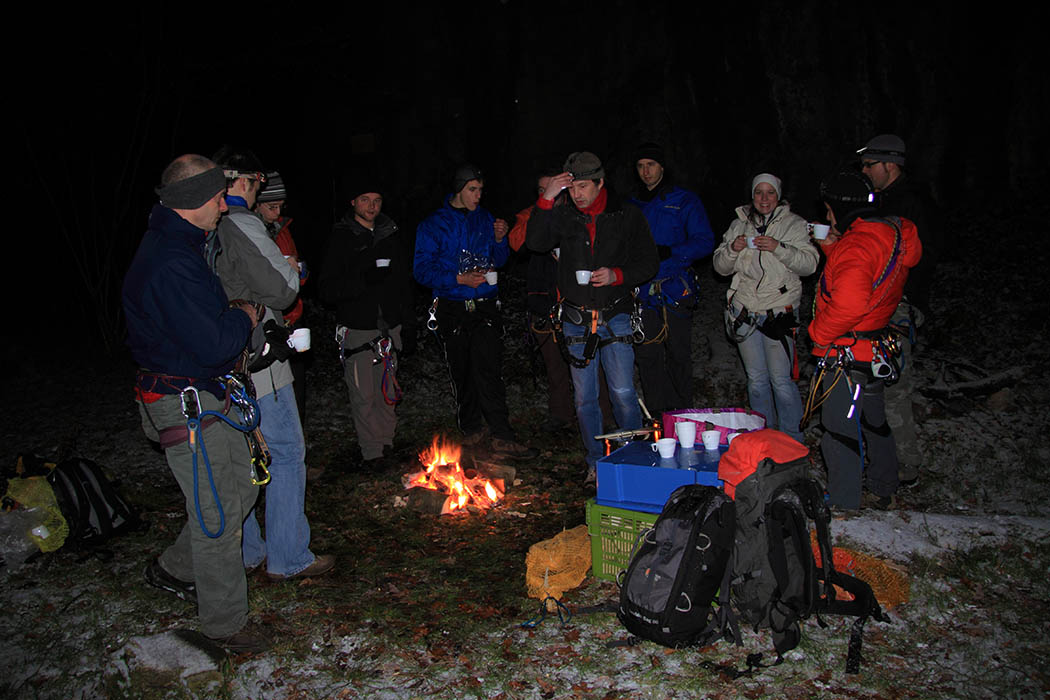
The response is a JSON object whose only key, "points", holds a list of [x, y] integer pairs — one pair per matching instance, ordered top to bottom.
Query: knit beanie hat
{"points": [[885, 148], [651, 151], [584, 165], [464, 174], [769, 179], [274, 190]]}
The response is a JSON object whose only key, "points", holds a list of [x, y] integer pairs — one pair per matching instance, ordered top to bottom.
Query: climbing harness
{"points": [[591, 319], [383, 347]]}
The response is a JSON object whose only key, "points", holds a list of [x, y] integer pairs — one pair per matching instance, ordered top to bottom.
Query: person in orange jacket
{"points": [[868, 259]]}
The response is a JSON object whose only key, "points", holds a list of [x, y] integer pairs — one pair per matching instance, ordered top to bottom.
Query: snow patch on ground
{"points": [[900, 535]]}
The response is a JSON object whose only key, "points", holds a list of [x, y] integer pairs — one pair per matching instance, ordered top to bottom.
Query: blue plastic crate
{"points": [[634, 477]]}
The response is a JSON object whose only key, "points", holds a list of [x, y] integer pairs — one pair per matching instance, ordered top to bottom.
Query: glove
{"points": [[276, 347]]}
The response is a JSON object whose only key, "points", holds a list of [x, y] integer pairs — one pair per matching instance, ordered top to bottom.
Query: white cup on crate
{"points": [[686, 432], [711, 439], [665, 446]]}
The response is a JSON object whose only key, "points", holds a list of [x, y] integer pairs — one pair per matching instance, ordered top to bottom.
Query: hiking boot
{"points": [[473, 437], [510, 448], [907, 474], [870, 500], [323, 563], [158, 577], [253, 638]]}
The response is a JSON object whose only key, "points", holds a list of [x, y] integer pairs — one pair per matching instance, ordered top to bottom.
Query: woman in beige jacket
{"points": [[766, 250]]}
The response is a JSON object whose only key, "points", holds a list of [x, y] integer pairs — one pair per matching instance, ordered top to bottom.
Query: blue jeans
{"points": [[618, 361], [770, 389], [287, 545]]}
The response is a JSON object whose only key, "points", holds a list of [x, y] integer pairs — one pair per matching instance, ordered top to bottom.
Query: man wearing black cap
{"points": [[883, 159], [683, 235], [458, 249], [606, 250], [868, 259], [366, 277], [184, 335]]}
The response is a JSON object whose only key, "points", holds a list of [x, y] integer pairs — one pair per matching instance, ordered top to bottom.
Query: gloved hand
{"points": [[276, 347]]}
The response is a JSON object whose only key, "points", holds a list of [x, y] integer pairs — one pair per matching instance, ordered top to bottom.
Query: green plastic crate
{"points": [[613, 533]]}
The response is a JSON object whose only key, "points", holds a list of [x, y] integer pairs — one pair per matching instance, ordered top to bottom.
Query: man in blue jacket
{"points": [[683, 235], [456, 247], [184, 335]]}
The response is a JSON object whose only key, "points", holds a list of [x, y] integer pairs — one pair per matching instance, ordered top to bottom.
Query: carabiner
{"points": [[432, 321]]}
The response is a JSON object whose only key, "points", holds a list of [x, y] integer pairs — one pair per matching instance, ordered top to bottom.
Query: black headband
{"points": [[193, 192]]}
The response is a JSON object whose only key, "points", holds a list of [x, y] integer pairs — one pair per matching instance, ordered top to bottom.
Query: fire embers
{"points": [[463, 489]]}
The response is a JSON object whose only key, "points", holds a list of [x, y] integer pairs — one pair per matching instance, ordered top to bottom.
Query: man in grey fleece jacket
{"points": [[252, 267]]}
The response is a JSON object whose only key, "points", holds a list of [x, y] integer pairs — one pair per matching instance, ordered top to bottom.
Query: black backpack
{"points": [[93, 508], [678, 570], [775, 581]]}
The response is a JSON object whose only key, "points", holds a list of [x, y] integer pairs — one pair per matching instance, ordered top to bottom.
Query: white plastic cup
{"points": [[821, 231], [751, 243], [557, 252], [383, 262], [492, 277], [583, 277], [301, 339], [686, 432], [711, 438], [729, 438], [665, 446]]}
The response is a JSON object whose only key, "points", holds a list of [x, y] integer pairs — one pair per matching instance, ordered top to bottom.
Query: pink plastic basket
{"points": [[724, 420]]}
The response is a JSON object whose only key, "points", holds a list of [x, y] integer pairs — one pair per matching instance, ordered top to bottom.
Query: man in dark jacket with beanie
{"points": [[366, 277]]}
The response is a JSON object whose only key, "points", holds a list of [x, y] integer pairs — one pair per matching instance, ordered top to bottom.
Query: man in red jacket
{"points": [[868, 259]]}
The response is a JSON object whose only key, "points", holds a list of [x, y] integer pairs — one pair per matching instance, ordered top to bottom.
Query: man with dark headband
{"points": [[183, 333]]}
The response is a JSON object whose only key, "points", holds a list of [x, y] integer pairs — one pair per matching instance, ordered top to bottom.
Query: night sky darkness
{"points": [[409, 92]]}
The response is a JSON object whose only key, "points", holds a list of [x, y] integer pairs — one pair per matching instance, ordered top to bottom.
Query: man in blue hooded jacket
{"points": [[683, 235], [458, 249]]}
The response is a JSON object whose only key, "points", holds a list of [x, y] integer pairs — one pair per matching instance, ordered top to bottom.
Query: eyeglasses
{"points": [[869, 163]]}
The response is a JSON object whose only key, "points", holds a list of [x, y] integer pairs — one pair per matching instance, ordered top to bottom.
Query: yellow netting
{"points": [[35, 492], [559, 564], [888, 581]]}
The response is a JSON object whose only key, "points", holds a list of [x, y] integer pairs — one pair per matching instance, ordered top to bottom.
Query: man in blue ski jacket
{"points": [[683, 235], [458, 249]]}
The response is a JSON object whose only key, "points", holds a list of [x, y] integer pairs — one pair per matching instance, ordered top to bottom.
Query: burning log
{"points": [[443, 475], [426, 500]]}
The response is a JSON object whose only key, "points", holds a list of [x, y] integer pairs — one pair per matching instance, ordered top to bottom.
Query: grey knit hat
{"points": [[885, 148], [584, 165], [274, 191]]}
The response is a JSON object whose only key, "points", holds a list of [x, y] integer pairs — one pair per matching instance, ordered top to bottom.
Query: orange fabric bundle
{"points": [[888, 581]]}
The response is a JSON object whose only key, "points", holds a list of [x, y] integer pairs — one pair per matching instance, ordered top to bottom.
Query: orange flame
{"points": [[442, 472]]}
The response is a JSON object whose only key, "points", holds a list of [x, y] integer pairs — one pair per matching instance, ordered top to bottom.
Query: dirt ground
{"points": [[422, 605]]}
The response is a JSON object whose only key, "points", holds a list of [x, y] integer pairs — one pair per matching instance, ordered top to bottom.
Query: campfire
{"points": [[463, 489]]}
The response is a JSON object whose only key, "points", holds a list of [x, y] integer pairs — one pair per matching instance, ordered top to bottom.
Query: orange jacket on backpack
{"points": [[862, 284]]}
